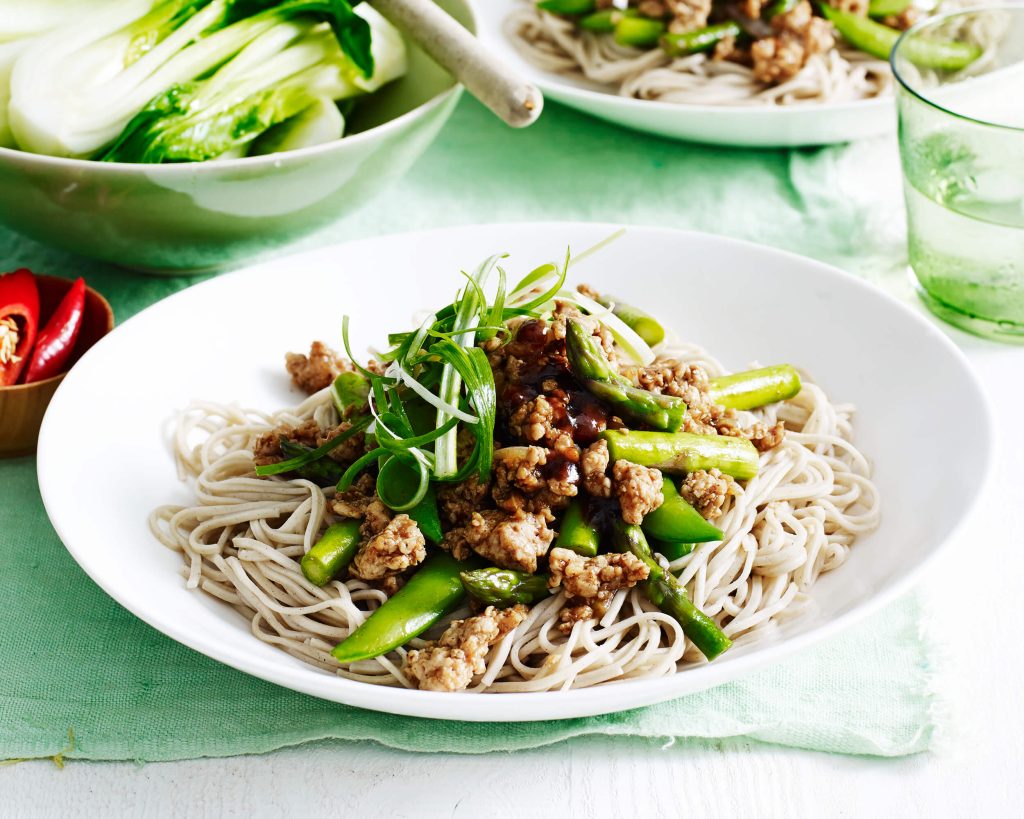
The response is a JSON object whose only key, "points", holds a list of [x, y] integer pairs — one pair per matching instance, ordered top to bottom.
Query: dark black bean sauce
{"points": [[546, 372], [588, 417], [562, 467], [601, 513]]}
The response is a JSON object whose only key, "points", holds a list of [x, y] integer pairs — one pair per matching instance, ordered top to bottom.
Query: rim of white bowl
{"points": [[547, 705]]}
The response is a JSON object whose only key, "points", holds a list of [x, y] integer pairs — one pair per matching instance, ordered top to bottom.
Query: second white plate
{"points": [[752, 126], [225, 339]]}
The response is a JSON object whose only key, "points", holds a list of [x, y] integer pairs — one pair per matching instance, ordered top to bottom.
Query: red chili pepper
{"points": [[19, 316], [57, 339]]}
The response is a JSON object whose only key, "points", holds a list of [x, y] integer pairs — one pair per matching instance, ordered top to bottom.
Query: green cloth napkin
{"points": [[71, 658]]}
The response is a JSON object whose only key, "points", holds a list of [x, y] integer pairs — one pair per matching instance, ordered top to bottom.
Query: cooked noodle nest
{"points": [[244, 536]]}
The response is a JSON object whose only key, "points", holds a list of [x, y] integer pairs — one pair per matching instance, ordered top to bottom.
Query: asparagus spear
{"points": [[567, 6], [883, 8], [604, 21], [638, 31], [703, 39], [878, 41], [642, 323], [589, 365], [755, 388], [681, 452], [676, 521], [577, 534], [671, 551], [332, 553], [505, 587], [432, 592], [669, 595]]}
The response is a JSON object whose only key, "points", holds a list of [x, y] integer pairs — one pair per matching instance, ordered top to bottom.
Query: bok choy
{"points": [[21, 19], [21, 24], [190, 80]]}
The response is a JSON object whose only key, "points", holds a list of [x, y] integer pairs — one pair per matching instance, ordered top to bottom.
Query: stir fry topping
{"points": [[511, 447]]}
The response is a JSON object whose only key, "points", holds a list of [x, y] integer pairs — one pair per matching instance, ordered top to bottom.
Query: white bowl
{"points": [[752, 126], [204, 216], [913, 389]]}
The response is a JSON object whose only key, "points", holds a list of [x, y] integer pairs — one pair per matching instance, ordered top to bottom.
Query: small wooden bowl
{"points": [[23, 405]]}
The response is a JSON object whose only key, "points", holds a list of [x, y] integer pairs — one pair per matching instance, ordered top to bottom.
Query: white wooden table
{"points": [[976, 611]]}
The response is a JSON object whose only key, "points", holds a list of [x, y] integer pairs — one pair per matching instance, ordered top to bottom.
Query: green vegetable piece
{"points": [[567, 7], [780, 7], [884, 8], [603, 21], [150, 29], [351, 31], [638, 31], [703, 39], [878, 41], [184, 80], [217, 109], [318, 124], [182, 125], [641, 323], [466, 364], [589, 365], [755, 388], [349, 393], [421, 415], [681, 452], [310, 455], [322, 472], [402, 484], [426, 517], [677, 521], [576, 533], [671, 551], [332, 553], [505, 587], [429, 595], [669, 595]]}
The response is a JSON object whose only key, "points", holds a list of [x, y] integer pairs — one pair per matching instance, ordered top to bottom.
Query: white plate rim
{"points": [[540, 705]]}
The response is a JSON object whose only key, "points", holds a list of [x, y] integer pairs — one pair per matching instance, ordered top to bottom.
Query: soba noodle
{"points": [[244, 536]]}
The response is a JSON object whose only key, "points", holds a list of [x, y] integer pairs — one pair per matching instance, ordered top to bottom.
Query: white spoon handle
{"points": [[487, 78]]}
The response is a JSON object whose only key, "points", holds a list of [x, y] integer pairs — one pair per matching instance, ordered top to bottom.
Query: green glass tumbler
{"points": [[960, 94]]}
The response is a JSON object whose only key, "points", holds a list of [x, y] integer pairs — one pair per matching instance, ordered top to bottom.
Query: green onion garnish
{"points": [[437, 380]]}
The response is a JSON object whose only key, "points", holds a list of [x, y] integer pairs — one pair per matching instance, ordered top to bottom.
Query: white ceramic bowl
{"points": [[751, 126], [210, 215], [912, 388]]}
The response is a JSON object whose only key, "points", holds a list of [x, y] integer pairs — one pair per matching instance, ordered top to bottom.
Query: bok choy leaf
{"points": [[187, 80]]}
